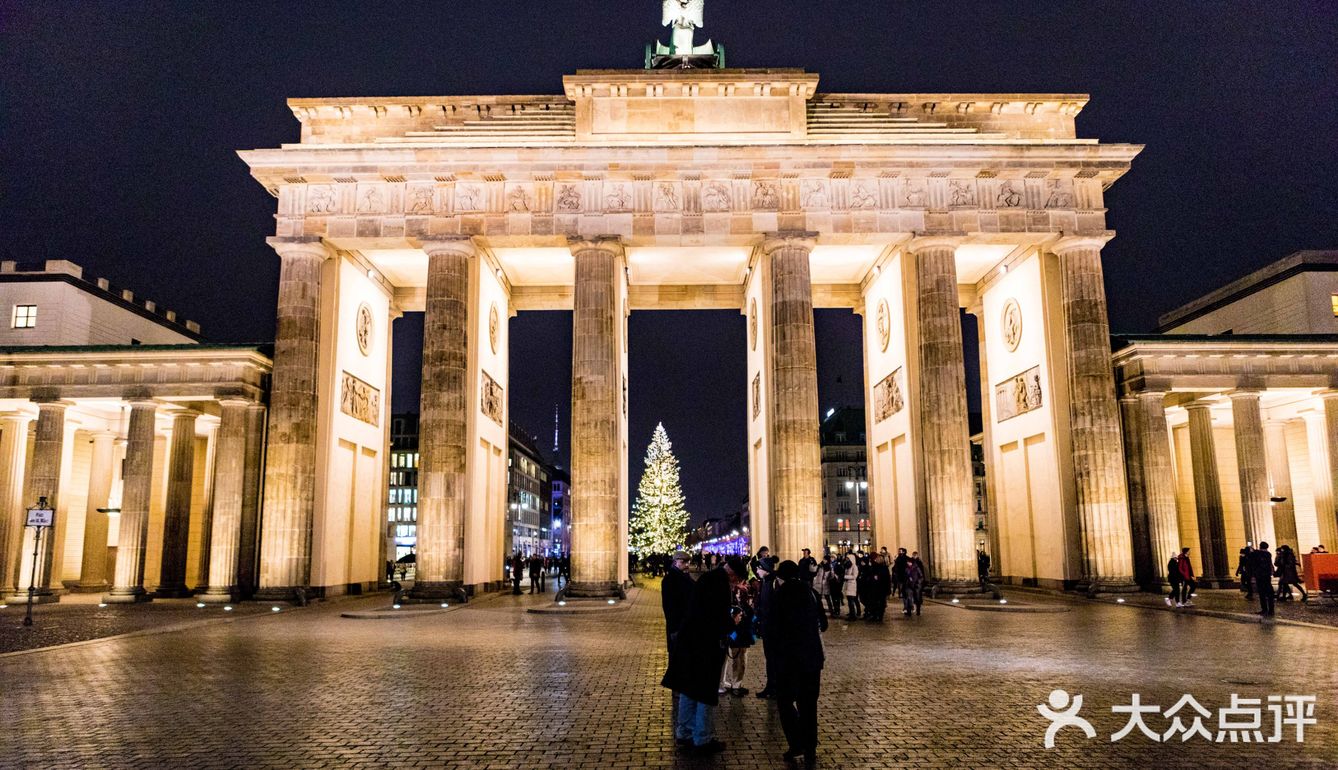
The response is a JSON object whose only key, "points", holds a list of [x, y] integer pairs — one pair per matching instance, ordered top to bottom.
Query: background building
{"points": [[1298, 294], [52, 304], [845, 487], [529, 496], [402, 500], [560, 507]]}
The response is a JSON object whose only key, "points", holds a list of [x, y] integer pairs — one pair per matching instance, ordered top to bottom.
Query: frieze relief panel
{"points": [[1018, 394], [490, 398], [888, 398], [360, 400]]}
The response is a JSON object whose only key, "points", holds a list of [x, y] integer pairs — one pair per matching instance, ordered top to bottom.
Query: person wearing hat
{"points": [[698, 656], [796, 657]]}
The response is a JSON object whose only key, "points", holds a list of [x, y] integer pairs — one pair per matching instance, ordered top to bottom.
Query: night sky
{"points": [[120, 123]]}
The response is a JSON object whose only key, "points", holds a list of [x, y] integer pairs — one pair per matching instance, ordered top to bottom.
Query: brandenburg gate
{"points": [[741, 189]]}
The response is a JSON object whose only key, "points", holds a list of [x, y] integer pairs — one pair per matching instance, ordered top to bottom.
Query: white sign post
{"points": [[39, 518]]}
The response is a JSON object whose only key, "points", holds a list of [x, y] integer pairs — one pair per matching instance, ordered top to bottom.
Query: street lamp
{"points": [[857, 488]]}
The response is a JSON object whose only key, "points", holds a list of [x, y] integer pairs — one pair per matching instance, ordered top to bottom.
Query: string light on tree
{"points": [[659, 521]]}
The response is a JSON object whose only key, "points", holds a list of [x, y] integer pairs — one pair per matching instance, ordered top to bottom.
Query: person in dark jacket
{"points": [[1244, 565], [517, 567], [1261, 569], [765, 570], [899, 571], [1288, 574], [879, 588], [675, 591], [797, 623], [698, 656]]}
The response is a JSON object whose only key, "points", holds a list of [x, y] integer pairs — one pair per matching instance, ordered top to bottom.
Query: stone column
{"points": [[596, 394], [1132, 418], [443, 422], [1094, 424], [945, 434], [13, 457], [796, 461], [1252, 465], [290, 467], [43, 480], [1158, 482], [1280, 483], [229, 485], [136, 491], [1208, 497], [176, 515], [1328, 518], [204, 556], [247, 573], [93, 575]]}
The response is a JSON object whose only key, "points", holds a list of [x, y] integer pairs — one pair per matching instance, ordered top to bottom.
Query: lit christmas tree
{"points": [[659, 520]]}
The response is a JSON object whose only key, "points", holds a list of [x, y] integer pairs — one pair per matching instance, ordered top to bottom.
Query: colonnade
{"points": [[34, 464]]}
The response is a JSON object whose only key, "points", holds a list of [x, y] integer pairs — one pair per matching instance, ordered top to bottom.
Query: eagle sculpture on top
{"points": [[685, 16]]}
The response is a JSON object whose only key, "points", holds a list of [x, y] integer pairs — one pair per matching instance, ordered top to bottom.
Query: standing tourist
{"points": [[1243, 566], [517, 567], [808, 567], [983, 567], [1261, 569], [765, 570], [899, 570], [536, 574], [1288, 574], [1173, 580], [835, 586], [851, 586], [879, 587], [912, 591], [797, 625], [738, 641], [699, 654]]}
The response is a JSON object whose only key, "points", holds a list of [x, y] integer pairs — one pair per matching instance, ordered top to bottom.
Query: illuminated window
{"points": [[1333, 304], [25, 316]]}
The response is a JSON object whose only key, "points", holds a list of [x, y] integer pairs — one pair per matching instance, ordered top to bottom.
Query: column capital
{"points": [[780, 239], [930, 240], [611, 243], [1068, 243], [459, 244], [311, 246], [1244, 393], [1327, 394], [241, 401], [44, 403], [1193, 406]]}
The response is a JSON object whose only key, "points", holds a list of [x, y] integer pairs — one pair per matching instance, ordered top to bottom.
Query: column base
{"points": [[1125, 585], [962, 588], [593, 590], [437, 591], [135, 595], [299, 595], [218, 596], [39, 597]]}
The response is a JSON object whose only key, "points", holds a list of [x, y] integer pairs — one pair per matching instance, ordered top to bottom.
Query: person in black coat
{"points": [[1261, 569], [675, 591], [797, 622], [698, 655]]}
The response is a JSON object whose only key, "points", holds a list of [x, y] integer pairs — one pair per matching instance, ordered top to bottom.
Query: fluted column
{"points": [[596, 394], [1132, 420], [443, 421], [945, 434], [13, 458], [1098, 460], [796, 461], [1252, 466], [290, 467], [43, 480], [1158, 481], [1280, 483], [229, 485], [136, 491], [1207, 496], [176, 514], [1328, 517], [93, 572], [247, 574]]}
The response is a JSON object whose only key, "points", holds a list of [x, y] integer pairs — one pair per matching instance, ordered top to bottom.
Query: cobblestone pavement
{"points": [[1321, 610], [78, 618], [489, 685]]}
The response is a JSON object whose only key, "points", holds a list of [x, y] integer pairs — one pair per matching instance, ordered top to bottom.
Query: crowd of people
{"points": [[538, 568], [1256, 568], [778, 605]]}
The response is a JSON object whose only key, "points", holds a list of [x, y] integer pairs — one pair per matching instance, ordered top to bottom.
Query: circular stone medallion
{"points": [[884, 321], [1010, 323], [493, 324], [752, 325], [362, 328]]}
